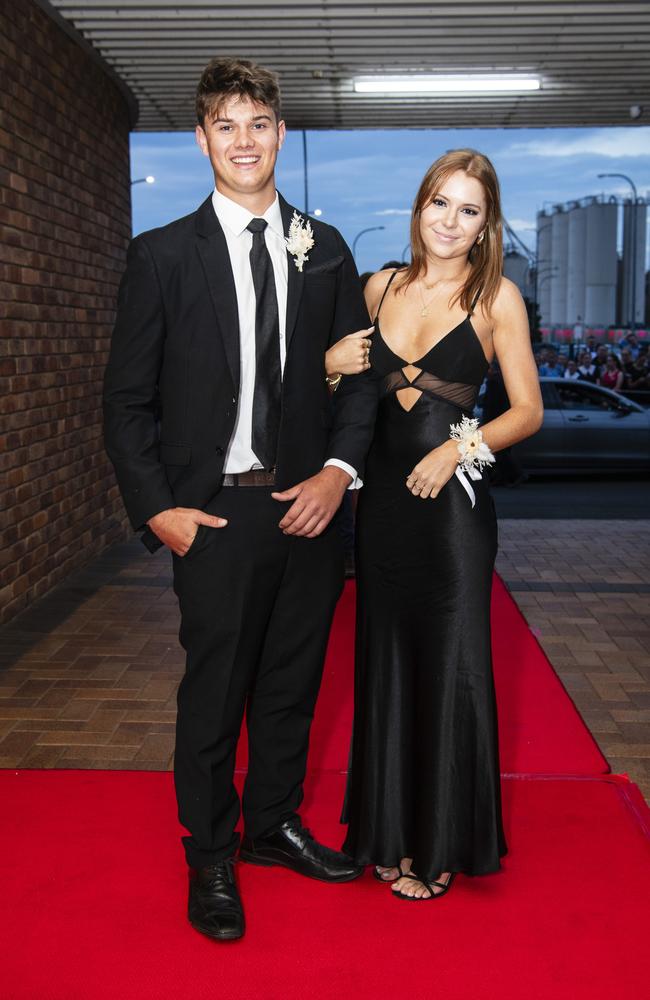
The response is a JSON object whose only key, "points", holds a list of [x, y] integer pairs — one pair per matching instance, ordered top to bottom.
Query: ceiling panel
{"points": [[593, 58]]}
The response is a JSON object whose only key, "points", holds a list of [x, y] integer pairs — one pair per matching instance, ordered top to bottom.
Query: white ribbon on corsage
{"points": [[474, 454], [461, 475]]}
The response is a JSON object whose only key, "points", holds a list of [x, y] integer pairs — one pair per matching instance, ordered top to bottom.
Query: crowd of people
{"points": [[624, 367]]}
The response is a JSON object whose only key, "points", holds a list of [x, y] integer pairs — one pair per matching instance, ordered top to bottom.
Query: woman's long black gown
{"points": [[424, 768]]}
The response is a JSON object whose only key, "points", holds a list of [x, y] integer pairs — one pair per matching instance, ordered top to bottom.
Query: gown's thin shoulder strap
{"points": [[381, 301], [474, 302]]}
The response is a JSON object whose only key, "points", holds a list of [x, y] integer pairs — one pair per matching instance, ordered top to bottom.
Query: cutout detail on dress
{"points": [[458, 393]]}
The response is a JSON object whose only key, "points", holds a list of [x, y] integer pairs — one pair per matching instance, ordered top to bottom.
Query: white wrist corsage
{"points": [[300, 240], [473, 451]]}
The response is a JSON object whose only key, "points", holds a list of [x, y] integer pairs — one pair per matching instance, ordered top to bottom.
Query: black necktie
{"points": [[268, 371]]}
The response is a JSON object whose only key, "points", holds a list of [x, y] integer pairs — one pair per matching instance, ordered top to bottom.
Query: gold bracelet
{"points": [[333, 381]]}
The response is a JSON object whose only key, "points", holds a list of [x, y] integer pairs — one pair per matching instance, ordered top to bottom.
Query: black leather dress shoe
{"points": [[294, 847], [214, 907]]}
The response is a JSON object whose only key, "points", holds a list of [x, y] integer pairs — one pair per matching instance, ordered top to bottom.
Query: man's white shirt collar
{"points": [[236, 217]]}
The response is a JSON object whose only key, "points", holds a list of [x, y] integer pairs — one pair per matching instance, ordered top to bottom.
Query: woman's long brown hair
{"points": [[485, 258]]}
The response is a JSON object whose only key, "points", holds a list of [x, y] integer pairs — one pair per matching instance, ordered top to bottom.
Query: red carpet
{"points": [[540, 729], [541, 732], [94, 882], [94, 891]]}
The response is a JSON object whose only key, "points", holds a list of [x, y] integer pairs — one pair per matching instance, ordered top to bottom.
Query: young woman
{"points": [[587, 369], [611, 376], [423, 797]]}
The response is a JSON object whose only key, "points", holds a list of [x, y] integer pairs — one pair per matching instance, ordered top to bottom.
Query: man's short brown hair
{"points": [[225, 78]]}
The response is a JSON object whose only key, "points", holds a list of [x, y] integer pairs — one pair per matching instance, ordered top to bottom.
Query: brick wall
{"points": [[65, 224]]}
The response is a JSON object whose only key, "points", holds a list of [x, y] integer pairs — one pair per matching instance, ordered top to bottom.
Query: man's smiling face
{"points": [[242, 140]]}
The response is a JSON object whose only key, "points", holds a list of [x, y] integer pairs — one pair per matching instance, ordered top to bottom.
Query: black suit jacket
{"points": [[172, 381]]}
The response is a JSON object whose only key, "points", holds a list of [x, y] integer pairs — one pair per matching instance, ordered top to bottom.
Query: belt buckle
{"points": [[254, 477], [263, 478]]}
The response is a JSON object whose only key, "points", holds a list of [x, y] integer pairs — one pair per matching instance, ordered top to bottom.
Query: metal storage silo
{"points": [[634, 231], [559, 261], [544, 264], [600, 264], [517, 268], [575, 300]]}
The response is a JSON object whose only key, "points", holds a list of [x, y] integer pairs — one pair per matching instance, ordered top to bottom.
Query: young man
{"points": [[223, 336], [551, 366]]}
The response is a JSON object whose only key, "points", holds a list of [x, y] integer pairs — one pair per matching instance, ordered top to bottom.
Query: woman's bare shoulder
{"points": [[379, 280], [375, 287], [508, 296], [507, 306]]}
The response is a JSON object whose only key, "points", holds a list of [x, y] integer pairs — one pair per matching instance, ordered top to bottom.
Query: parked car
{"points": [[587, 428]]}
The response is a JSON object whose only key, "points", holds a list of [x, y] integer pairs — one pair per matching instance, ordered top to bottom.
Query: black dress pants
{"points": [[256, 609]]}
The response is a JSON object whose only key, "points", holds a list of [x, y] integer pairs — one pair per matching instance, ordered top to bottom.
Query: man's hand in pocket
{"points": [[177, 527]]}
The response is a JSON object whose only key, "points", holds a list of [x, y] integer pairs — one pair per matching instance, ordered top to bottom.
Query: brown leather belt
{"points": [[256, 477]]}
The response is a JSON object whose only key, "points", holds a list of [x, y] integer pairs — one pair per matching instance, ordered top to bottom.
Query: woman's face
{"points": [[456, 216], [611, 362]]}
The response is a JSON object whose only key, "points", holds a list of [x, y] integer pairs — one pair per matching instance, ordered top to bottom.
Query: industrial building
{"points": [[520, 269], [578, 277]]}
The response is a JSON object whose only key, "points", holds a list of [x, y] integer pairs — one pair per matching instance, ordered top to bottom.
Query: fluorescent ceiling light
{"points": [[467, 83]]}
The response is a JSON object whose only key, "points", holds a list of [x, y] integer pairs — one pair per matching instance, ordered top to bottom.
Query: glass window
{"points": [[549, 396], [579, 397]]}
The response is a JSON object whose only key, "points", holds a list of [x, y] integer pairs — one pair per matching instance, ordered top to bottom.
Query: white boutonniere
{"points": [[300, 240], [473, 451]]}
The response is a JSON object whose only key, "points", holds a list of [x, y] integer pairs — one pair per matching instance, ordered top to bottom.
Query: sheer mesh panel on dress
{"points": [[459, 393]]}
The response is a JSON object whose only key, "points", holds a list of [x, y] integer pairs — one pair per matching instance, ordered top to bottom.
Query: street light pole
{"points": [[304, 168], [143, 180], [370, 229], [633, 238], [537, 260], [546, 278], [538, 284]]}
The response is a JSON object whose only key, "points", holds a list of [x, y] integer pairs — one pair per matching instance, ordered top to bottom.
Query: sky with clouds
{"points": [[369, 178]]}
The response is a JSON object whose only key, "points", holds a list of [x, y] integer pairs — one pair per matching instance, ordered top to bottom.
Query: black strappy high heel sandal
{"points": [[444, 886]]}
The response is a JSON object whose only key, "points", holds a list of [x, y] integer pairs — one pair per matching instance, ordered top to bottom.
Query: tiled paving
{"points": [[584, 587], [90, 672], [88, 675]]}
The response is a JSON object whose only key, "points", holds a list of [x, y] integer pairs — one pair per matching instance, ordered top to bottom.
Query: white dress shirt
{"points": [[234, 219]]}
